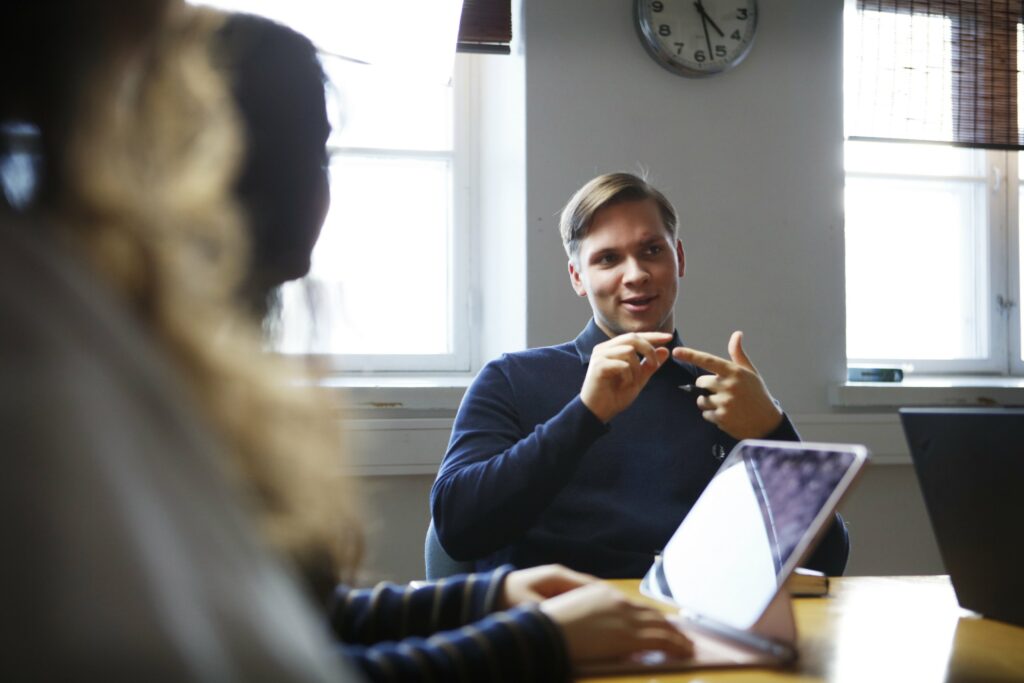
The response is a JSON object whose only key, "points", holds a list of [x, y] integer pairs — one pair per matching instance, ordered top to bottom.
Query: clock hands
{"points": [[707, 17], [704, 23]]}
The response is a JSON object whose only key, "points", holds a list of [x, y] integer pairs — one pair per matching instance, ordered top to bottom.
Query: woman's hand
{"points": [[600, 622]]}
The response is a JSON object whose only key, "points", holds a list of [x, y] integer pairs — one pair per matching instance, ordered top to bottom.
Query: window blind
{"points": [[486, 26], [936, 71]]}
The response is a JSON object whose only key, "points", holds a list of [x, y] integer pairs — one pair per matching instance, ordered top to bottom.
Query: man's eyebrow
{"points": [[602, 252]]}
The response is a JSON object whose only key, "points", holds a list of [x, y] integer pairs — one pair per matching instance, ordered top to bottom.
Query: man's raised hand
{"points": [[619, 369], [739, 402]]}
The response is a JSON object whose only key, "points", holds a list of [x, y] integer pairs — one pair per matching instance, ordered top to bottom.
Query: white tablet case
{"points": [[771, 639]]}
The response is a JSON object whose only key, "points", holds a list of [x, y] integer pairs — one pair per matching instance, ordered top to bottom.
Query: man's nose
{"points": [[636, 272]]}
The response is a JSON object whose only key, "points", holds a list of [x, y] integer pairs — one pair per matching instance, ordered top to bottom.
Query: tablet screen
{"points": [[752, 524]]}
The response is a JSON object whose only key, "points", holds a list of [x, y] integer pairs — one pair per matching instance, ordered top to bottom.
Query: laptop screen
{"points": [[970, 465], [752, 524]]}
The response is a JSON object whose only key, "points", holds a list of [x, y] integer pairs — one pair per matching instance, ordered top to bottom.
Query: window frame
{"points": [[1004, 260], [1015, 262], [1002, 268], [460, 274]]}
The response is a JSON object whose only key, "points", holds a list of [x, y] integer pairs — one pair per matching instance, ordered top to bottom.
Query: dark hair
{"points": [[278, 84]]}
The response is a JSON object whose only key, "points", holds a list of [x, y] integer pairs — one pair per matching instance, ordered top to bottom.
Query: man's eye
{"points": [[655, 249], [606, 259]]}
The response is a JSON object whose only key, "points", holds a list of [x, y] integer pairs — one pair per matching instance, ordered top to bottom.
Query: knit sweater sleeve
{"points": [[786, 431], [499, 475], [447, 631]]}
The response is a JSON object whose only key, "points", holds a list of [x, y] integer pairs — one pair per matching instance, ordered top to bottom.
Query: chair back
{"points": [[437, 562]]}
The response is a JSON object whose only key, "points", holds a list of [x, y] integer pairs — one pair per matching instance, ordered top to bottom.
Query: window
{"points": [[933, 251], [388, 286], [387, 289]]}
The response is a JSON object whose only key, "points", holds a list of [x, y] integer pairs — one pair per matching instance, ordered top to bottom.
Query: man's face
{"points": [[629, 267]]}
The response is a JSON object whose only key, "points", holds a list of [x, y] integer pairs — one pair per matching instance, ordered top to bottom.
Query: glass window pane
{"points": [[413, 37], [889, 53], [370, 108], [912, 159], [915, 269], [380, 281]]}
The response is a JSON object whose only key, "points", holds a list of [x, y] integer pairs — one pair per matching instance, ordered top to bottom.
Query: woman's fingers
{"points": [[671, 641]]}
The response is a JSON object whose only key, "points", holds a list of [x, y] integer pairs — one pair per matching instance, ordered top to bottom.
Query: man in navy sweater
{"points": [[591, 452]]}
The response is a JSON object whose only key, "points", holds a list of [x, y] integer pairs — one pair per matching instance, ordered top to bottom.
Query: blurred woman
{"points": [[152, 454], [504, 625]]}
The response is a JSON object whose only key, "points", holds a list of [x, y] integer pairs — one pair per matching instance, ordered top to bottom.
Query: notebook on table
{"points": [[970, 466], [726, 566]]}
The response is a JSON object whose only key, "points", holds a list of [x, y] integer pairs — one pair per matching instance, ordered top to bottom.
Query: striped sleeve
{"points": [[392, 612], [447, 631], [520, 644]]}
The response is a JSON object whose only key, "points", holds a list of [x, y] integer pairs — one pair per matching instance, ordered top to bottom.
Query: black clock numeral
{"points": [[657, 6], [741, 13], [664, 30], [736, 35], [679, 48], [720, 51], [700, 56]]}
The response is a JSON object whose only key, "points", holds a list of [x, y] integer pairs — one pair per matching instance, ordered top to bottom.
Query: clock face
{"points": [[697, 37]]}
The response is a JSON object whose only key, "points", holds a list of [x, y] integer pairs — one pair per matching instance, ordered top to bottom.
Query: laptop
{"points": [[970, 465], [725, 567]]}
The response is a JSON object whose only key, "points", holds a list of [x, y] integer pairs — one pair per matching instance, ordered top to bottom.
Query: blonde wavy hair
{"points": [[147, 179]]}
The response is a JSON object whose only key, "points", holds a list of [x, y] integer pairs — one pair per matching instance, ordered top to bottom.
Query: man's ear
{"points": [[681, 257], [576, 280]]}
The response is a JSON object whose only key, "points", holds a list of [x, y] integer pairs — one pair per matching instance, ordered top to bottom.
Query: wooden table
{"points": [[870, 629]]}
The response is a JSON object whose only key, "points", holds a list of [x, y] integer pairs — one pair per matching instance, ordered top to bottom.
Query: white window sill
{"points": [[936, 390], [392, 394], [397, 424]]}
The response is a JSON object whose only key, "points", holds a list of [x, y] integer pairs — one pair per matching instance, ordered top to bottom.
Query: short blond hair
{"points": [[603, 191]]}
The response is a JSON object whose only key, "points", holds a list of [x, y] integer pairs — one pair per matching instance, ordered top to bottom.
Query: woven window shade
{"points": [[486, 26], [936, 71]]}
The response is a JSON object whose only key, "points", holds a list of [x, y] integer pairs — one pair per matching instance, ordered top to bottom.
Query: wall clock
{"points": [[696, 38]]}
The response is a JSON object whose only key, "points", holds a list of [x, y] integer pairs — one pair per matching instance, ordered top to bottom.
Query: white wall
{"points": [[751, 158], [753, 161]]}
